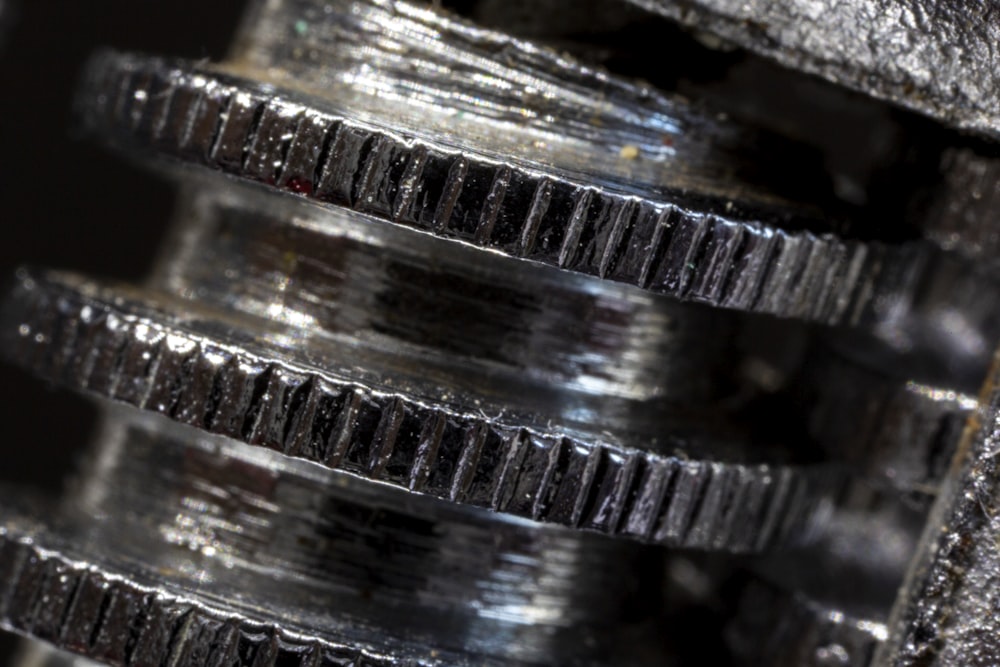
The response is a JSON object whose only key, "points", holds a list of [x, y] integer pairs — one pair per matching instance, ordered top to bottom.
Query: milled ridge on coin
{"points": [[937, 57], [433, 75], [248, 130], [75, 334], [333, 557], [88, 610]]}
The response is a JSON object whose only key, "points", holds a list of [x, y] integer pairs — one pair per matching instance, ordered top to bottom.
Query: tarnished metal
{"points": [[937, 57], [945, 615]]}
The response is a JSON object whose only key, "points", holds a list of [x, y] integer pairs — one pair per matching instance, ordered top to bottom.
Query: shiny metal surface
{"points": [[436, 77], [636, 235], [441, 305], [418, 307], [163, 358], [329, 560]]}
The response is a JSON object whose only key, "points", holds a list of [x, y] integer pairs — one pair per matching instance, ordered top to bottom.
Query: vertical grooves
{"points": [[181, 89], [211, 110], [244, 133], [251, 135], [215, 136], [285, 146], [323, 159], [367, 172], [354, 173], [409, 184], [450, 192], [539, 205], [491, 207], [668, 219], [623, 220], [574, 228], [697, 256], [725, 267], [768, 267], [853, 270], [754, 292], [117, 360], [153, 369], [215, 395], [259, 400], [259, 403], [301, 412], [345, 426], [385, 436], [475, 437], [430, 441], [517, 443], [551, 479], [709, 479], [625, 492], [585, 499], [678, 501], [770, 509], [644, 511], [13, 557], [71, 599], [98, 621], [135, 630]]}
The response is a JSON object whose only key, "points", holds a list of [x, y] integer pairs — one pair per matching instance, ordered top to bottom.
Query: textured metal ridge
{"points": [[937, 57], [247, 130], [98, 344], [339, 558], [98, 614], [945, 614]]}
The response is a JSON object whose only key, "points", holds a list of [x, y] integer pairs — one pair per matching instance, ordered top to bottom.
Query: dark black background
{"points": [[66, 202]]}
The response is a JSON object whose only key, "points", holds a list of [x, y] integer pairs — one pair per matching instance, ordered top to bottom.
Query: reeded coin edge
{"points": [[177, 110], [97, 344], [90, 611]]}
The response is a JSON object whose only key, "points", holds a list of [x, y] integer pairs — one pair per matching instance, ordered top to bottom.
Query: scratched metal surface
{"points": [[937, 57], [946, 613]]}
